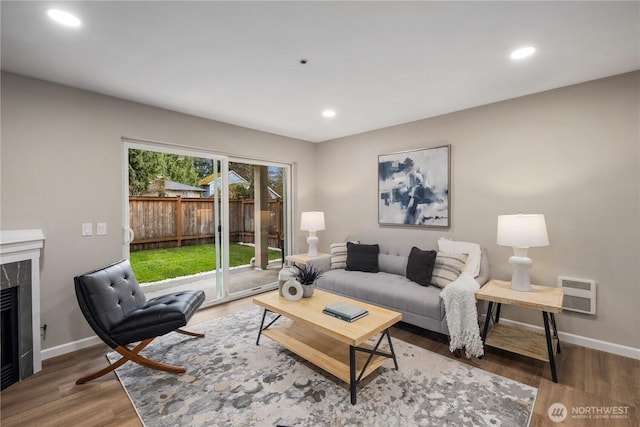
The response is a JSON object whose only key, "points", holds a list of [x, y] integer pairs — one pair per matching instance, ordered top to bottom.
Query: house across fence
{"points": [[169, 222]]}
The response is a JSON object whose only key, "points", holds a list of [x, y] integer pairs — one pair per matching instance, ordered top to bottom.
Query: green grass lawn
{"points": [[160, 264]]}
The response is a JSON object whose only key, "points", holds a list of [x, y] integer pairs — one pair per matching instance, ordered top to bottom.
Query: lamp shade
{"points": [[312, 221], [522, 230]]}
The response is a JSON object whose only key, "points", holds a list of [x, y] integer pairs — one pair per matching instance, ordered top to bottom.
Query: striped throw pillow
{"points": [[339, 254], [447, 268]]}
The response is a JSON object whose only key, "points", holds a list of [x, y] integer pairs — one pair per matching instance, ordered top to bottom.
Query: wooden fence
{"points": [[167, 222]]}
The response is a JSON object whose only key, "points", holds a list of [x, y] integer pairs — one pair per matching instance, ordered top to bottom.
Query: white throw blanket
{"points": [[462, 315]]}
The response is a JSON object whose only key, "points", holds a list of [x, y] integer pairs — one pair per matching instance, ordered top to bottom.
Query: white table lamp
{"points": [[312, 222], [522, 232]]}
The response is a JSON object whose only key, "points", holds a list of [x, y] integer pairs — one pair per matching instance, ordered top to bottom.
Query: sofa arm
{"points": [[321, 263], [485, 272]]}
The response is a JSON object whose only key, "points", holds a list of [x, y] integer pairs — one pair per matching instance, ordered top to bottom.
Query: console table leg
{"points": [[487, 320], [555, 329], [552, 356]]}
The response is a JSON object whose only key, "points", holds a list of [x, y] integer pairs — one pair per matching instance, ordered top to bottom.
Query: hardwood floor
{"points": [[588, 378]]}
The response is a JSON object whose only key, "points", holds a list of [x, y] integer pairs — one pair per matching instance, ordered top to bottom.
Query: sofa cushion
{"points": [[362, 257], [392, 264], [420, 266], [447, 268], [387, 290]]}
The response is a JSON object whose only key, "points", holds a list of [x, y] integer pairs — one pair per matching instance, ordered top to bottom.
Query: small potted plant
{"points": [[307, 276]]}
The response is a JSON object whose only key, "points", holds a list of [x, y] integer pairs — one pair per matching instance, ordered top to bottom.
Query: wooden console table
{"points": [[304, 259], [531, 344]]}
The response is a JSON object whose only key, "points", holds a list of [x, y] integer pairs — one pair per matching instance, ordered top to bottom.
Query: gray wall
{"points": [[571, 154], [62, 165]]}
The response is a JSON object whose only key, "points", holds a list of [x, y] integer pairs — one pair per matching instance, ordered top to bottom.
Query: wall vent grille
{"points": [[579, 294]]}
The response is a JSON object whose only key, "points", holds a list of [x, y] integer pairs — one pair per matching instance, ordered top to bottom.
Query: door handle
{"points": [[127, 235]]}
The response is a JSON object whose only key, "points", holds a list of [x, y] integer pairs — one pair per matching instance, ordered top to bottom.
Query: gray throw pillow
{"points": [[420, 266]]}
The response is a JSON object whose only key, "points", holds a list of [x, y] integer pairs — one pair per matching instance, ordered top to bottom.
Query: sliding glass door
{"points": [[174, 218], [194, 219], [259, 223]]}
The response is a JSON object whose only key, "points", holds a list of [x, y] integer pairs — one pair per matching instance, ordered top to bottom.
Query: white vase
{"points": [[284, 275], [292, 290]]}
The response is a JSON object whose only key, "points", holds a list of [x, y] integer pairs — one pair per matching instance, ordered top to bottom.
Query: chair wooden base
{"points": [[191, 334], [134, 356]]}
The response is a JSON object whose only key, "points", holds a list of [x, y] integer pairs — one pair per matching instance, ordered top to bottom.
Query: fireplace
{"points": [[20, 304]]}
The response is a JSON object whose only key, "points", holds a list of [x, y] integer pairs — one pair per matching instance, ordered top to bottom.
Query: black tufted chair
{"points": [[120, 314]]}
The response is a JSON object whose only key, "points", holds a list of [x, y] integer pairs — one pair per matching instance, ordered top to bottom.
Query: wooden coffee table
{"points": [[332, 344]]}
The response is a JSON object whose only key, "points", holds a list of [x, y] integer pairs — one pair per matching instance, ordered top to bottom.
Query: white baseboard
{"points": [[605, 346], [59, 350]]}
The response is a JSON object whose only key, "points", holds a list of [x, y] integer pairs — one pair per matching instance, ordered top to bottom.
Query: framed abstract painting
{"points": [[413, 187]]}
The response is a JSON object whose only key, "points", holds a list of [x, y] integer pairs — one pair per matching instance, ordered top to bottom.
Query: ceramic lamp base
{"points": [[312, 241], [520, 278]]}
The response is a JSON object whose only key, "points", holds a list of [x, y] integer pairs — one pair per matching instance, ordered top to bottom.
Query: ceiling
{"points": [[377, 64]]}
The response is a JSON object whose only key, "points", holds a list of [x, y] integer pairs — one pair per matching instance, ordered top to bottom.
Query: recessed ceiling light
{"points": [[64, 18], [523, 52], [328, 113]]}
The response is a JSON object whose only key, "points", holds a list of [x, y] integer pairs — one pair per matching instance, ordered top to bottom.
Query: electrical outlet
{"points": [[87, 229], [101, 229]]}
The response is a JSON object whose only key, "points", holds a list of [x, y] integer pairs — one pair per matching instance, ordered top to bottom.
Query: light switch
{"points": [[87, 229], [101, 229]]}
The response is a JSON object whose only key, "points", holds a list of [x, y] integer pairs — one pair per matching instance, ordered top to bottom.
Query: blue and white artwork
{"points": [[413, 188]]}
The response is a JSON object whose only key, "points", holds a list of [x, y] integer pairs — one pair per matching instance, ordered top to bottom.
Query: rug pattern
{"points": [[232, 382]]}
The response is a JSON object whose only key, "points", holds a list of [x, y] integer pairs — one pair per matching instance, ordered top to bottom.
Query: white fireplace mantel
{"points": [[12, 241], [19, 245]]}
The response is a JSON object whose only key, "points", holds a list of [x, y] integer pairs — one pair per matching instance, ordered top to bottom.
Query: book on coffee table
{"points": [[345, 311]]}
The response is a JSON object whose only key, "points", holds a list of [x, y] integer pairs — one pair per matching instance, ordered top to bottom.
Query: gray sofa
{"points": [[389, 288]]}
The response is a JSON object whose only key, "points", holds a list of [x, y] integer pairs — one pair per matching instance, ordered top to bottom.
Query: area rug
{"points": [[232, 382]]}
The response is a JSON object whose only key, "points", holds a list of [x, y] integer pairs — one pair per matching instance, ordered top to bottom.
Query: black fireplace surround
{"points": [[17, 332]]}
